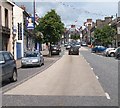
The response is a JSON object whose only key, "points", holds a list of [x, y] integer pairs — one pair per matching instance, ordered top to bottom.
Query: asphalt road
{"points": [[106, 69], [26, 73], [85, 80]]}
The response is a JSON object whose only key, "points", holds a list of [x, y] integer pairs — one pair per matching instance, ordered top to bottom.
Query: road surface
{"points": [[71, 81]]}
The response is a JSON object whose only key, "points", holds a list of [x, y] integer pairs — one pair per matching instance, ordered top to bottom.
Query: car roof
{"points": [[4, 51], [32, 52]]}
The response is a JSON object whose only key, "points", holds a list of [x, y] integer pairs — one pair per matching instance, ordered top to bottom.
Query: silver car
{"points": [[107, 52], [32, 59]]}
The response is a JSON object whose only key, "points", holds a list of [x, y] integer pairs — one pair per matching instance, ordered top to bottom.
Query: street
{"points": [[59, 53], [26, 73], [84, 80]]}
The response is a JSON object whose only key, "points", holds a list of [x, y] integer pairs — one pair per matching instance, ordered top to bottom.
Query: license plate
{"points": [[53, 51], [29, 62]]}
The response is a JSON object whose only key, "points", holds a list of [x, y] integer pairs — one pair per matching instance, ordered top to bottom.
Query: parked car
{"points": [[83, 43], [65, 44], [77, 44], [68, 46], [59, 47], [55, 49], [98, 49], [74, 50], [106, 52], [111, 53], [117, 53], [34, 58], [8, 68]]}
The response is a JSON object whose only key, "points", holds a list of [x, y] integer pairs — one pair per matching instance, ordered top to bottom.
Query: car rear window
{"points": [[31, 55]]}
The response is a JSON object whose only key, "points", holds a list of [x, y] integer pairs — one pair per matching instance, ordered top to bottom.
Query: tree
{"points": [[51, 27], [105, 36]]}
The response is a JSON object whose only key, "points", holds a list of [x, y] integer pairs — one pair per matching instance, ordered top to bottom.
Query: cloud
{"points": [[66, 0], [79, 11]]}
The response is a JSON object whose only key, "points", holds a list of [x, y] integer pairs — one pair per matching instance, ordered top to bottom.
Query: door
{"points": [[18, 48]]}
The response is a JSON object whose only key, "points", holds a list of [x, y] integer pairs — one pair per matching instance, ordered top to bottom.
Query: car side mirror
{"points": [[2, 62]]}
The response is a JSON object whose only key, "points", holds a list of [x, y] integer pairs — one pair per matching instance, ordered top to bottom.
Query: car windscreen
{"points": [[77, 43], [31, 55]]}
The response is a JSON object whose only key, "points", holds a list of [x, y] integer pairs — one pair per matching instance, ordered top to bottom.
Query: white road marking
{"points": [[92, 68], [97, 77], [107, 96]]}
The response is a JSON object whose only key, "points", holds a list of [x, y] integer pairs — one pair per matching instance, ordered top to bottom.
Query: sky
{"points": [[75, 12]]}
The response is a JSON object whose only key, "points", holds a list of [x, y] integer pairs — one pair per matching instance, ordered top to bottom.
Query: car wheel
{"points": [[112, 54], [118, 58], [43, 62], [40, 64], [22, 66], [14, 76]]}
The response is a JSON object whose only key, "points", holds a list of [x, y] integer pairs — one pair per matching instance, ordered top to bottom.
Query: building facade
{"points": [[6, 26], [18, 32], [23, 37]]}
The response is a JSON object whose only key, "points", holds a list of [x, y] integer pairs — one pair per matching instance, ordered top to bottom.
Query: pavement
{"points": [[45, 52], [18, 63]]}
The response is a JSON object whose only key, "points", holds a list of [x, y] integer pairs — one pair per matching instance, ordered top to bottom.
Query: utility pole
{"points": [[34, 12], [34, 21], [116, 41]]}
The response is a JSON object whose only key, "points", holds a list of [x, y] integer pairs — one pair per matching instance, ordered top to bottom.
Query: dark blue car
{"points": [[99, 49], [8, 68]]}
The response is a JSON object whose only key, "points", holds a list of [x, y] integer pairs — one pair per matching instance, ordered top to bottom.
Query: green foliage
{"points": [[51, 27], [105, 35]]}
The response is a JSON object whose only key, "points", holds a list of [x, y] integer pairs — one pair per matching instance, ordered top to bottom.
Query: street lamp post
{"points": [[34, 22]]}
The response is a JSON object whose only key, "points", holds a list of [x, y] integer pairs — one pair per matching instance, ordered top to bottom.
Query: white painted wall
{"points": [[18, 18]]}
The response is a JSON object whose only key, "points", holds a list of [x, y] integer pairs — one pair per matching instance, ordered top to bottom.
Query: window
{"points": [[0, 16], [6, 18], [19, 31], [118, 49], [31, 55], [7, 56], [11, 56]]}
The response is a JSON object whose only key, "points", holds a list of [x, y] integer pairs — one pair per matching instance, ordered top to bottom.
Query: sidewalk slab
{"points": [[45, 53], [18, 63]]}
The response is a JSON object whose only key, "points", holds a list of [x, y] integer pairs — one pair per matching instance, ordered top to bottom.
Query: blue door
{"points": [[18, 48]]}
